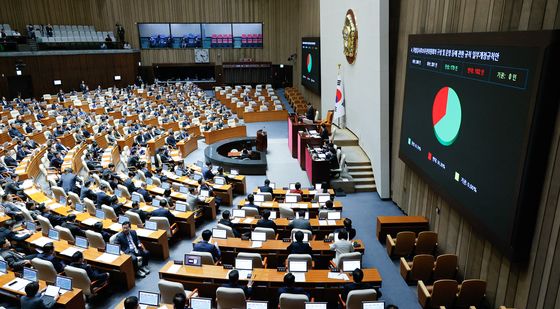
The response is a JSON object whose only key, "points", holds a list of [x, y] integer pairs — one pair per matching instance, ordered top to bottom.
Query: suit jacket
{"points": [[310, 114], [170, 140], [10, 161], [56, 162], [208, 174], [68, 182], [130, 185], [265, 189], [87, 192], [145, 194], [104, 199], [163, 212], [140, 213], [266, 223], [300, 223], [230, 224], [74, 229], [122, 241], [204, 246], [299, 248], [15, 260], [58, 264], [93, 274], [348, 287], [247, 290], [291, 290], [37, 302]]}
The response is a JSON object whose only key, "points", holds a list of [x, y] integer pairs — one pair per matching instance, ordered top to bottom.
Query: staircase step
{"points": [[356, 163], [358, 168], [366, 174], [366, 180], [365, 188]]}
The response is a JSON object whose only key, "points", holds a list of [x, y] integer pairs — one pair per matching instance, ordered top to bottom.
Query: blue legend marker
{"points": [[409, 141]]}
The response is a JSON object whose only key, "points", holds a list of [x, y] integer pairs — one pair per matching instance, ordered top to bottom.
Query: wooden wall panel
{"points": [[95, 69], [536, 283]]}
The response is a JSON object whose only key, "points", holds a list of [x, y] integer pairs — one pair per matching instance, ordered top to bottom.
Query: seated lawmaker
{"points": [[170, 139], [129, 183], [266, 188], [297, 189], [144, 192], [162, 211], [226, 220], [266, 222], [300, 223], [72, 225], [130, 244], [341, 245], [205, 246], [299, 247], [48, 255], [15, 260], [358, 276], [100, 278], [233, 282], [289, 286], [35, 300]]}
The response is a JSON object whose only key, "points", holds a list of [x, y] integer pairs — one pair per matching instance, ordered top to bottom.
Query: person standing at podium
{"points": [[310, 114]]}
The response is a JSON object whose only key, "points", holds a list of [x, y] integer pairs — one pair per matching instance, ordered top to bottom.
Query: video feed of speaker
{"points": [[154, 36], [311, 64], [467, 125]]}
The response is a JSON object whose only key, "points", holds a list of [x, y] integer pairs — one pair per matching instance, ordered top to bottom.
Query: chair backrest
{"points": [[124, 191], [58, 192], [295, 194], [139, 196], [267, 196], [75, 198], [90, 206], [251, 211], [286, 212], [109, 213], [323, 214], [134, 218], [45, 224], [162, 224], [229, 230], [308, 232], [270, 233], [65, 234], [95, 240], [426, 242], [404, 243], [352, 256], [206, 257], [256, 257], [301, 257], [422, 266], [445, 267], [45, 269], [80, 279], [168, 289], [443, 293], [471, 293], [356, 297], [229, 298], [293, 301]]}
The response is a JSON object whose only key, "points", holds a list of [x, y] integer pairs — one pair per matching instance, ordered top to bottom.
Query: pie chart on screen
{"points": [[309, 63], [446, 116]]}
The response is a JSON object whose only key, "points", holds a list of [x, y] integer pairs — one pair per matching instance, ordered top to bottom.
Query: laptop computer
{"points": [[234, 172], [149, 181], [220, 181], [165, 185], [292, 186], [318, 186], [184, 190], [118, 193], [204, 193], [135, 198], [324, 198], [291, 199], [62, 200], [155, 202], [180, 206], [80, 207], [100, 214], [334, 215], [123, 219], [150, 225], [31, 226], [219, 233], [54, 234], [258, 236], [81, 242], [112, 249], [192, 260], [350, 265], [244, 266], [297, 266], [3, 267], [29, 274], [64, 283], [148, 298], [201, 303], [253, 304], [315, 305], [373, 305]]}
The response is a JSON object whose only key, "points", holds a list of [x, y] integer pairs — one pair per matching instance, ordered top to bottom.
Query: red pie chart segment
{"points": [[440, 105]]}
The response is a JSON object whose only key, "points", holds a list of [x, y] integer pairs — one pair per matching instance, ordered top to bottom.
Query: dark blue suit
{"points": [[68, 182], [265, 189], [145, 194], [163, 212], [122, 241], [204, 246], [299, 248], [58, 265], [247, 290], [291, 290], [37, 302]]}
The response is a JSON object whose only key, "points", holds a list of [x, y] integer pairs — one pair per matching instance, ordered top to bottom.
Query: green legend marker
{"points": [[409, 141], [456, 176]]}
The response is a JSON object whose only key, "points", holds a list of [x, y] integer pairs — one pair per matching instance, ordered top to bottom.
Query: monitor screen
{"points": [[247, 35], [154, 36], [186, 36], [213, 36], [311, 64], [475, 126], [234, 172], [179, 173], [197, 177], [149, 181], [220, 181], [165, 185], [272, 185], [292, 186], [318, 186], [183, 189], [118, 193], [204, 193], [135, 198], [259, 198], [291, 198], [324, 198], [62, 200], [155, 202], [179, 206], [80, 207], [238, 213], [100, 214], [272, 215], [334, 215], [123, 219], [150, 225], [30, 226], [219, 233], [54, 234], [258, 236], [305, 237], [81, 242], [112, 249], [193, 260], [243, 264], [350, 265], [297, 266], [3, 267], [29, 274], [65, 283], [147, 298], [201, 303], [252, 304], [315, 305], [373, 305]]}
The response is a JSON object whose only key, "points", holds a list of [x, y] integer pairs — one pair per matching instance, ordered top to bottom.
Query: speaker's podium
{"points": [[294, 126], [262, 141]]}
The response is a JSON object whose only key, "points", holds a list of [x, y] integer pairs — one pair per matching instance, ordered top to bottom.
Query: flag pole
{"points": [[338, 74]]}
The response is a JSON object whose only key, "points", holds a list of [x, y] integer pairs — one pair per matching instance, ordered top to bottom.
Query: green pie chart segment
{"points": [[446, 116]]}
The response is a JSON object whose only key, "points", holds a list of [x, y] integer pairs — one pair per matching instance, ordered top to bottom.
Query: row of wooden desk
{"points": [[211, 137]]}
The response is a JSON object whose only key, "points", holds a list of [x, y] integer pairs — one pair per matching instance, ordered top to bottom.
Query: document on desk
{"points": [[302, 205], [315, 205], [235, 220], [248, 220], [90, 221], [322, 222], [331, 222], [115, 227], [143, 232], [42, 241], [256, 244], [71, 250], [107, 258], [174, 268], [339, 276], [300, 277], [17, 284]]}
